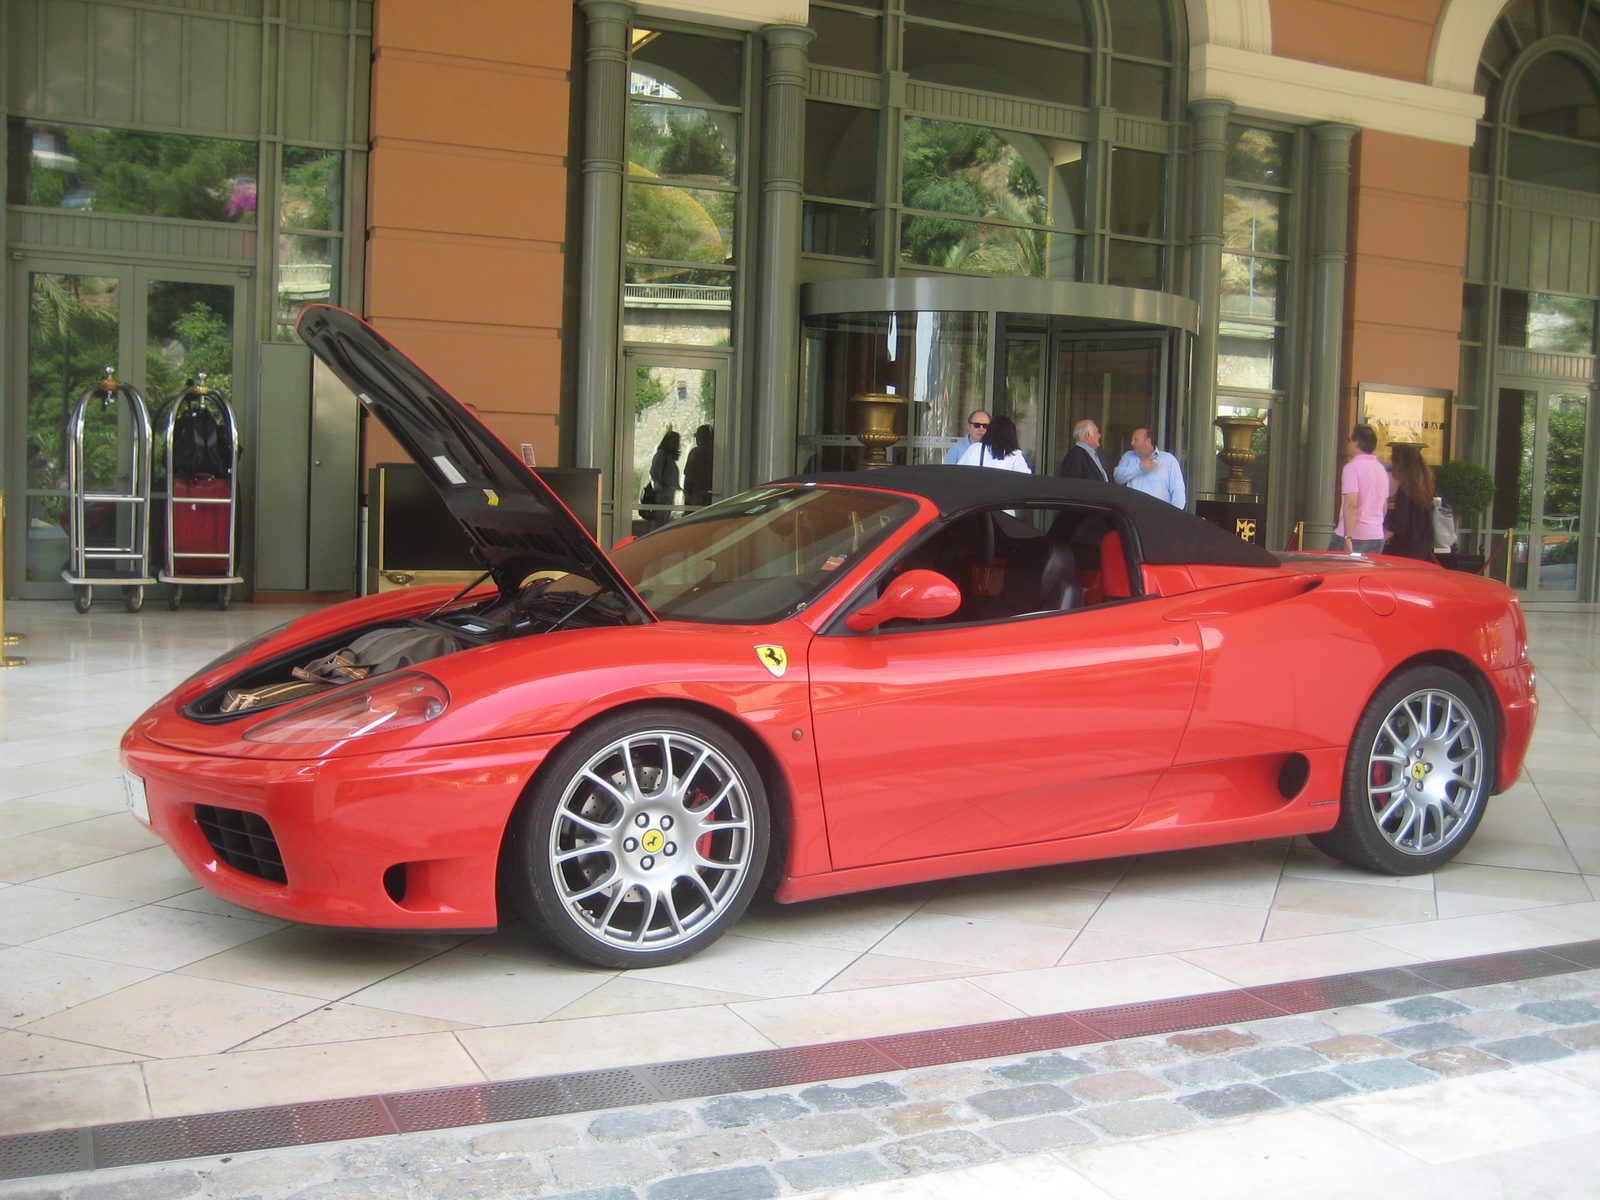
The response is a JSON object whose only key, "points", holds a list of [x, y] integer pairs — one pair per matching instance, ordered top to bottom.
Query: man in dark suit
{"points": [[1083, 460]]}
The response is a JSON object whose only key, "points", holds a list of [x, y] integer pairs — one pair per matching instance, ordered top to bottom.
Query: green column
{"points": [[1209, 129], [605, 151], [1330, 199], [777, 327]]}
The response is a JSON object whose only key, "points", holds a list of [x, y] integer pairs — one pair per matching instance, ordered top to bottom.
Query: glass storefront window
{"points": [[1051, 20], [1139, 27], [850, 40], [953, 57], [685, 66], [1139, 89], [1557, 96], [674, 141], [841, 151], [1258, 156], [1551, 162], [125, 171], [310, 194], [1138, 194], [1250, 220], [679, 224], [837, 230], [954, 245], [1133, 264], [308, 273], [1249, 286], [677, 306], [1541, 321], [188, 329], [1245, 356], [936, 360]]}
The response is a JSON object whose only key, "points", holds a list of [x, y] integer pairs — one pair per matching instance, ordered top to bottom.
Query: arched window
{"points": [[962, 136]]}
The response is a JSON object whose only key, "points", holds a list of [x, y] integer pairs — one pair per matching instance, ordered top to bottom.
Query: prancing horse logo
{"points": [[774, 659]]}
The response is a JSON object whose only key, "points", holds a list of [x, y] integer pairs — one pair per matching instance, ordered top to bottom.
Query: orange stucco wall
{"points": [[1381, 37], [466, 216], [1408, 234]]}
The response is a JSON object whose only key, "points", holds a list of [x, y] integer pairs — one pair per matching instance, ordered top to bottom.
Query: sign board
{"points": [[1405, 414]]}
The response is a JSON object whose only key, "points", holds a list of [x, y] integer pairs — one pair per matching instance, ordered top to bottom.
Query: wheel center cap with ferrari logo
{"points": [[652, 841]]}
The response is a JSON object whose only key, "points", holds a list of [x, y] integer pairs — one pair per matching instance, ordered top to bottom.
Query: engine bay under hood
{"points": [[515, 523]]}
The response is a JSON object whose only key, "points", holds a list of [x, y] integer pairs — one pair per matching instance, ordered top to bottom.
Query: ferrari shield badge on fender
{"points": [[774, 659]]}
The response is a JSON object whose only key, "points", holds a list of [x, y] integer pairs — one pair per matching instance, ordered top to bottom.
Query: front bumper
{"points": [[1519, 709], [341, 824]]}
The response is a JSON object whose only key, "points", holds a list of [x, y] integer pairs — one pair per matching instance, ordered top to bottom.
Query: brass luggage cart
{"points": [[120, 553]]}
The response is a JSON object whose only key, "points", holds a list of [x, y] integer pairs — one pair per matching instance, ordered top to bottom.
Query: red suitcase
{"points": [[200, 528]]}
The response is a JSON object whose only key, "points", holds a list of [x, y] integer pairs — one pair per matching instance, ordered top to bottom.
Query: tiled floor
{"points": [[125, 992]]}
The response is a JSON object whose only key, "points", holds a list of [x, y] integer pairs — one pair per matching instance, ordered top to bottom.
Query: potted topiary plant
{"points": [[1468, 489]]}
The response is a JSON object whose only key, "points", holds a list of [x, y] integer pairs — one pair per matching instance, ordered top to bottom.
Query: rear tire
{"points": [[1418, 777], [643, 839]]}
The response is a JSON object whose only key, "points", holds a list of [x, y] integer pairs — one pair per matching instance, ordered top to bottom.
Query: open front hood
{"points": [[516, 523]]}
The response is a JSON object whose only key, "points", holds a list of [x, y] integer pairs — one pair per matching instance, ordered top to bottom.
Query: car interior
{"points": [[1014, 563]]}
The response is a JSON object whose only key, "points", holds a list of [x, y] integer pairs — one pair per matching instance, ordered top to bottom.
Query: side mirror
{"points": [[624, 542], [916, 595]]}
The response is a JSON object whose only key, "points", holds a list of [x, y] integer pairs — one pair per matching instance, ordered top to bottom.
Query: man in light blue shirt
{"points": [[977, 426], [1152, 471]]}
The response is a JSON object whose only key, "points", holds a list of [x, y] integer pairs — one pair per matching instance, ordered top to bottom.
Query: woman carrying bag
{"points": [[999, 449], [1409, 523]]}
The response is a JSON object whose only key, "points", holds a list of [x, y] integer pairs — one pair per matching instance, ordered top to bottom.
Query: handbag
{"points": [[648, 496], [1444, 526]]}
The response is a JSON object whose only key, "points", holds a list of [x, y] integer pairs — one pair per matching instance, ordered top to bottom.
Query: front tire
{"points": [[1418, 777], [643, 839]]}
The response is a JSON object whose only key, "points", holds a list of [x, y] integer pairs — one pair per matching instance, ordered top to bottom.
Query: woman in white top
{"points": [[998, 449]]}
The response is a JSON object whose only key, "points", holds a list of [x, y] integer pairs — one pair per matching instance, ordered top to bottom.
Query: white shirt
{"points": [[978, 455], [952, 456]]}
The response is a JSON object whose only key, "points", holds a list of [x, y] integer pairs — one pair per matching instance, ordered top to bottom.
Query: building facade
{"points": [[725, 220]]}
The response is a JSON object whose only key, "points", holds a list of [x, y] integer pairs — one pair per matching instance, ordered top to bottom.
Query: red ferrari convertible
{"points": [[831, 683]]}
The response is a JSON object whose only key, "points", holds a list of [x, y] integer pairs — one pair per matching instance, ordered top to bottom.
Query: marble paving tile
{"points": [[56, 777], [37, 814], [1519, 821], [121, 832], [1498, 852], [35, 855], [1305, 862], [1245, 875], [143, 876], [1465, 889], [1001, 898], [1348, 898], [198, 900], [35, 912], [1580, 921], [854, 923], [1286, 923], [1158, 925], [154, 936], [1459, 937], [969, 941], [1298, 958], [326, 963], [753, 967], [880, 970], [39, 983], [1098, 984], [477, 990], [625, 995], [874, 1012], [171, 1016], [339, 1022], [595, 1043], [22, 1053], [300, 1073], [71, 1099], [1459, 1118], [1267, 1156]]}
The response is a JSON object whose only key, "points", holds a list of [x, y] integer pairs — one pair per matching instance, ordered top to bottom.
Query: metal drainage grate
{"points": [[243, 840], [1585, 954], [1491, 968], [1336, 991], [1173, 1016], [994, 1039], [766, 1068], [518, 1100], [168, 1138], [53, 1153]]}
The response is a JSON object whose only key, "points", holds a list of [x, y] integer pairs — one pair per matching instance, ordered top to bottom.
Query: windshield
{"points": [[758, 557]]}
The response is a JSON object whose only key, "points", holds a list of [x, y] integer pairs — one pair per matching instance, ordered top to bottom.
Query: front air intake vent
{"points": [[243, 840]]}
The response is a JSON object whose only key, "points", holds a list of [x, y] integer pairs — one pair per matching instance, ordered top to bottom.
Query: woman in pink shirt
{"points": [[1364, 487]]}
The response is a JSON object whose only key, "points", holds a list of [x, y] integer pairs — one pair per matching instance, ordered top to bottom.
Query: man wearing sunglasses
{"points": [[977, 426]]}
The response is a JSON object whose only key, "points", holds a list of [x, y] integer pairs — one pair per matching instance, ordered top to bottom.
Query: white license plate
{"points": [[138, 805]]}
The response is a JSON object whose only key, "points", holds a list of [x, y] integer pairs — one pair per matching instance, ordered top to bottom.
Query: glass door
{"points": [[156, 329], [1117, 381], [668, 457], [1540, 516]]}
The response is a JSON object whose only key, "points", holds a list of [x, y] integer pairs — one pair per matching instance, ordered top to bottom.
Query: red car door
{"points": [[941, 740]]}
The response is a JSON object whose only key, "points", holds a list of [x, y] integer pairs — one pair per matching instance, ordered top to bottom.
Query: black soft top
{"points": [[1166, 534]]}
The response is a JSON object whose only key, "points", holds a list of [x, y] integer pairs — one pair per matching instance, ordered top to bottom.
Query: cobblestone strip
{"points": [[790, 1141]]}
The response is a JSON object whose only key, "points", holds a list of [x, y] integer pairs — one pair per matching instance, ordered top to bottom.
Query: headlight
{"points": [[243, 648], [396, 701]]}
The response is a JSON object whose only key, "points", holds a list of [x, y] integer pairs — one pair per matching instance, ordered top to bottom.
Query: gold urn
{"points": [[876, 416], [1237, 433]]}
